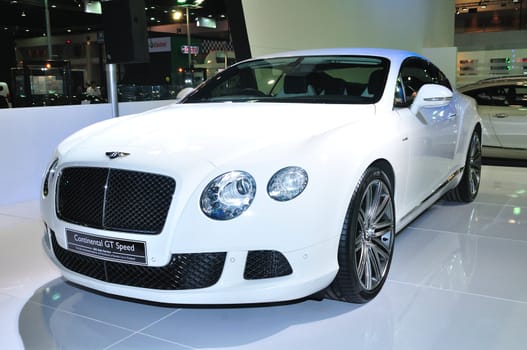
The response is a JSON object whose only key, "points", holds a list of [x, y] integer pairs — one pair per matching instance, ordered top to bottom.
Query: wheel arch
{"points": [[478, 128], [385, 166]]}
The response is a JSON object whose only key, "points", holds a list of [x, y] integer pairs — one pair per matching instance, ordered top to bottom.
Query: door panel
{"points": [[510, 125], [431, 132]]}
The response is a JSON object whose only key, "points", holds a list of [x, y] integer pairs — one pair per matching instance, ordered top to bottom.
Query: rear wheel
{"points": [[468, 187], [366, 243]]}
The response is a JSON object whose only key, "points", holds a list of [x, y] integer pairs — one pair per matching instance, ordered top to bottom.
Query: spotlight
{"points": [[177, 15]]}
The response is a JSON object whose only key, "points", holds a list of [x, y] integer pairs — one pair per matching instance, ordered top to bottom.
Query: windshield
{"points": [[307, 79]]}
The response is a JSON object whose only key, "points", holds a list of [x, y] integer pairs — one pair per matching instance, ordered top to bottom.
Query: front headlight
{"points": [[50, 174], [287, 183], [228, 195]]}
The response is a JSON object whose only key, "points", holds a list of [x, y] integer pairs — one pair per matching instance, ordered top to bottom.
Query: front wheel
{"points": [[367, 239]]}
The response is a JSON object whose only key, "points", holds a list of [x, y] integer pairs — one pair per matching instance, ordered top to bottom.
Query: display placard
{"points": [[133, 252]]}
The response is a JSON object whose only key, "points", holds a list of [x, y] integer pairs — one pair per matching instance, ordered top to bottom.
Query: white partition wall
{"points": [[281, 25], [29, 135]]}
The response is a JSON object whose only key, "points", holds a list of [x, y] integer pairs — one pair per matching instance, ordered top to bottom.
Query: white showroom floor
{"points": [[458, 281]]}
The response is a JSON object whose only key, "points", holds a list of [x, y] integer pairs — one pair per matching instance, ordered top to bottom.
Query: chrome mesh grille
{"points": [[114, 199]]}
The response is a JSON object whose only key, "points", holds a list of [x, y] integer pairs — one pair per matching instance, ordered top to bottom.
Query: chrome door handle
{"points": [[500, 115]]}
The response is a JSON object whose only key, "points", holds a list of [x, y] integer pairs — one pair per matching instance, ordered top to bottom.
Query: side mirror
{"points": [[431, 95]]}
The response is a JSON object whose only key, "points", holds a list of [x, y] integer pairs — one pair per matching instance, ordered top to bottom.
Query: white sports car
{"points": [[279, 178]]}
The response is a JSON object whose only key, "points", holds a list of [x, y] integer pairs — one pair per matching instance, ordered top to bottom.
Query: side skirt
{"points": [[431, 199]]}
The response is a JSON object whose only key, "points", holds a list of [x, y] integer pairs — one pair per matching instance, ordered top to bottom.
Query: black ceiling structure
{"points": [[26, 18]]}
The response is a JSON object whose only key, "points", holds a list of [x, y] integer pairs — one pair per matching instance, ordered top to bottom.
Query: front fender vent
{"points": [[266, 264]]}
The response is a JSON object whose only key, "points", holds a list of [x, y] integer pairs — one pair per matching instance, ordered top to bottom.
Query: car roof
{"points": [[394, 55], [497, 81]]}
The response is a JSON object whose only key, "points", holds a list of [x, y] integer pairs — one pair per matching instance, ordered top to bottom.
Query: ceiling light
{"points": [[177, 15]]}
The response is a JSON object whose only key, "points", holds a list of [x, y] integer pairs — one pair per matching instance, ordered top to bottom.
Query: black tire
{"points": [[468, 187], [367, 239]]}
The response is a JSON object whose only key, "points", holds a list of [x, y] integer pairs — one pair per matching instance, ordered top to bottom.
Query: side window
{"points": [[415, 72], [443, 80], [400, 95], [515, 95], [500, 96], [521, 96], [483, 97]]}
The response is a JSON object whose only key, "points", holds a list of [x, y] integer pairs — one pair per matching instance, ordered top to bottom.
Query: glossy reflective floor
{"points": [[458, 281]]}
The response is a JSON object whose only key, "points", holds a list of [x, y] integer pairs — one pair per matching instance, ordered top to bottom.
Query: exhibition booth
{"points": [[301, 205]]}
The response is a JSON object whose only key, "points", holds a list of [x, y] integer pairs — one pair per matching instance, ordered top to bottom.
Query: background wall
{"points": [[277, 25], [426, 27], [512, 39], [28, 137]]}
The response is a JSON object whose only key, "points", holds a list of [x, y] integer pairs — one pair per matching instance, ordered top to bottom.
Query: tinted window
{"points": [[415, 72], [314, 79], [506, 95], [483, 97]]}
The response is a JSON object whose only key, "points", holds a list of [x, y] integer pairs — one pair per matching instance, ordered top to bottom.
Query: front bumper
{"points": [[205, 278]]}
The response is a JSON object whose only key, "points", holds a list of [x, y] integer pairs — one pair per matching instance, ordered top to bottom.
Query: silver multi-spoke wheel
{"points": [[474, 164], [468, 187], [373, 241], [366, 242]]}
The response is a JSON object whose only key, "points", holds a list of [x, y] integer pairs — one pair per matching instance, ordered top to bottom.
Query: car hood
{"points": [[215, 132]]}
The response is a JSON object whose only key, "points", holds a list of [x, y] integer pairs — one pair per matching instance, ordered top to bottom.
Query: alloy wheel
{"points": [[474, 163], [375, 234]]}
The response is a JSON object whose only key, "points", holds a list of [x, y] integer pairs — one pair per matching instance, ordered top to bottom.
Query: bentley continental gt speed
{"points": [[278, 178]]}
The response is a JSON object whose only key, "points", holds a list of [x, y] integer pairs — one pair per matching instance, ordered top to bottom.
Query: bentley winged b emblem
{"points": [[113, 155]]}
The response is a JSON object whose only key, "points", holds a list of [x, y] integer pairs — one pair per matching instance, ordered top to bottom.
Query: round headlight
{"points": [[287, 183], [228, 195]]}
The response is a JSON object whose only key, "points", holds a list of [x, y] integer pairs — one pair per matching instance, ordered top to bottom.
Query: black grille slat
{"points": [[127, 188], [81, 195], [114, 199], [266, 264], [184, 271]]}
